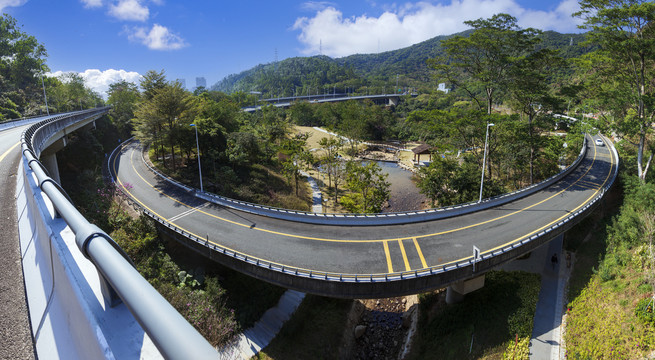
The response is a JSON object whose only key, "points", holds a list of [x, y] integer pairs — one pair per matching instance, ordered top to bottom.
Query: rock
{"points": [[404, 300], [407, 319], [359, 331]]}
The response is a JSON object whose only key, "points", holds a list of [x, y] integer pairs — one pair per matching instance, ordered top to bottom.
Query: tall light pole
{"points": [[44, 95], [198, 156], [484, 159]]}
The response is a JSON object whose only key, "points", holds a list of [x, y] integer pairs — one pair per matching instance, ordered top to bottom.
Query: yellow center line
{"points": [[3, 156], [591, 183], [588, 187], [564, 216], [349, 240], [384, 241], [402, 250], [420, 253], [388, 256]]}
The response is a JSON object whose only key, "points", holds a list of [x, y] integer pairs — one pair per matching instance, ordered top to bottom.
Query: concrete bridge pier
{"points": [[49, 158], [455, 292]]}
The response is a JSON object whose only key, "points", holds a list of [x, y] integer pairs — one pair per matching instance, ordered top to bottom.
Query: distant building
{"points": [[200, 81], [182, 82], [442, 87]]}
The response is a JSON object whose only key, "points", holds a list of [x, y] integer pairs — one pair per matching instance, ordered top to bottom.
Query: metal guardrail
{"points": [[392, 218], [396, 276], [173, 336]]}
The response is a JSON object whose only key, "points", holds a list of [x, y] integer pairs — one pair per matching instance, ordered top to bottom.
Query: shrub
{"points": [[644, 311]]}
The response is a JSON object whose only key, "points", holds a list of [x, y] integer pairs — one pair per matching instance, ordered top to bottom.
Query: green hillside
{"points": [[362, 72]]}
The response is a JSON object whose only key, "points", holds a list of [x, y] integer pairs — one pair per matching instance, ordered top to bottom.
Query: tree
{"points": [[484, 58], [22, 62], [624, 67], [151, 82], [68, 92], [530, 92], [123, 96], [159, 117], [243, 148], [297, 157], [331, 162], [435, 181], [369, 186]]}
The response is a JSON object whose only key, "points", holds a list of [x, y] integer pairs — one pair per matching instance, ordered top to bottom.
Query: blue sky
{"points": [[107, 40]]}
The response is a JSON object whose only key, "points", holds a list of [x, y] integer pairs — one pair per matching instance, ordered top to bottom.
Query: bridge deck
{"points": [[365, 249]]}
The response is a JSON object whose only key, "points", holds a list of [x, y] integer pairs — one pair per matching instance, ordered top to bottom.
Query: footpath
{"points": [[253, 340], [546, 340]]}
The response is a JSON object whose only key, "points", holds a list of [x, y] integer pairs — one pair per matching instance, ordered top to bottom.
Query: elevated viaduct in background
{"points": [[285, 102]]}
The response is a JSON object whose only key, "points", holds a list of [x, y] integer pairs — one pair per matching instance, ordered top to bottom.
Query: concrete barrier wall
{"points": [[68, 315]]}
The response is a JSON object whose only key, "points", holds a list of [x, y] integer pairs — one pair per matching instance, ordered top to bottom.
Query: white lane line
{"points": [[177, 217]]}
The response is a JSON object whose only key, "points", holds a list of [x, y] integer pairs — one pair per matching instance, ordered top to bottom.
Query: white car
{"points": [[600, 142]]}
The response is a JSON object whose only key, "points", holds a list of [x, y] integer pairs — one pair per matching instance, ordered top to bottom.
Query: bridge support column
{"points": [[49, 158], [50, 163], [455, 292]]}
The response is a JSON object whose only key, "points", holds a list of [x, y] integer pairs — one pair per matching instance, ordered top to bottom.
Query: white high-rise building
{"points": [[200, 81]]}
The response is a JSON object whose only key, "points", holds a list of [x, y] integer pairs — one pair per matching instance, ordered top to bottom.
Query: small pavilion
{"points": [[422, 150]]}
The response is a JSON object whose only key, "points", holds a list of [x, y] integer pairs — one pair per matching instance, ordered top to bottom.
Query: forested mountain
{"points": [[361, 72]]}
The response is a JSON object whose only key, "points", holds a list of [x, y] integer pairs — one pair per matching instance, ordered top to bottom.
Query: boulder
{"points": [[359, 331]]}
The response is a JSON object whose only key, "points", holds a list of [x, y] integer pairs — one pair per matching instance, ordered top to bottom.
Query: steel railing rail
{"points": [[483, 264], [173, 336]]}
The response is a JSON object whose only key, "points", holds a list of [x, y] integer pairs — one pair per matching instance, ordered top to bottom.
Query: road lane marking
{"points": [[3, 156], [590, 183], [588, 187], [179, 216], [560, 218], [353, 240], [385, 241], [402, 251], [420, 253], [388, 256]]}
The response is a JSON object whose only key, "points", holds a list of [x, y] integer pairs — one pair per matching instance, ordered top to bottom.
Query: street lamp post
{"points": [[44, 95], [198, 150], [484, 159]]}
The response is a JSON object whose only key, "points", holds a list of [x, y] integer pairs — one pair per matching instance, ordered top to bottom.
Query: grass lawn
{"points": [[605, 289], [482, 326]]}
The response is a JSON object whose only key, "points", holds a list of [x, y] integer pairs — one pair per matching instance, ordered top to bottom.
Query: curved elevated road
{"points": [[376, 250]]}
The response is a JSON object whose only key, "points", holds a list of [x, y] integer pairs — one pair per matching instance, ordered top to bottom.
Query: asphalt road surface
{"points": [[364, 249], [16, 336]]}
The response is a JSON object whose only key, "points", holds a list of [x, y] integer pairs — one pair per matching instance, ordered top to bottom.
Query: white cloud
{"points": [[10, 3], [92, 3], [316, 5], [129, 10], [411, 23], [157, 38], [99, 81]]}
